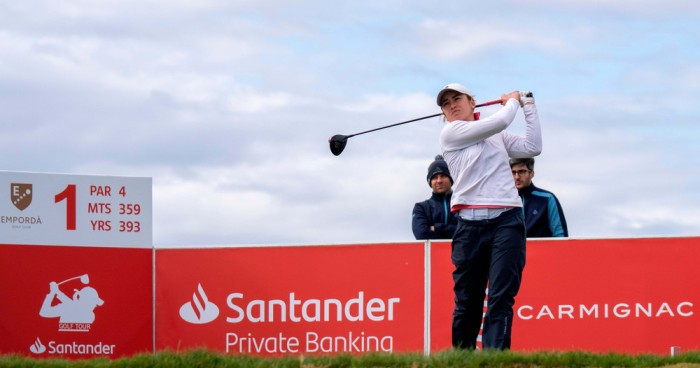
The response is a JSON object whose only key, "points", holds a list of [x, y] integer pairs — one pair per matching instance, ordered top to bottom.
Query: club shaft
{"points": [[489, 103], [425, 117], [393, 125], [70, 279], [66, 280]]}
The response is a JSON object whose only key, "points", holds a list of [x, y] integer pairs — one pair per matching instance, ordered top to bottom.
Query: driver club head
{"points": [[338, 143]]}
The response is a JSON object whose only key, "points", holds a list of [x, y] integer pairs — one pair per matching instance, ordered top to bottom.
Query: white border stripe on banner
{"points": [[153, 276], [426, 317]]}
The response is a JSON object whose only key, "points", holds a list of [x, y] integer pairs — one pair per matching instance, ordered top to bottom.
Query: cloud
{"points": [[647, 8], [448, 40], [229, 106], [297, 198]]}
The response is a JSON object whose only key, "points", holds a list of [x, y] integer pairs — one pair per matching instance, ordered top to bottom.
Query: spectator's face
{"points": [[457, 106], [521, 175], [441, 184]]}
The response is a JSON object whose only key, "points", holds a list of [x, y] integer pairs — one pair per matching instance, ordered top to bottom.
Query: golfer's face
{"points": [[457, 106]]}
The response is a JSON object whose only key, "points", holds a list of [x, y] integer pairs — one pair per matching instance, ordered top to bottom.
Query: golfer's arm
{"points": [[533, 131], [462, 134], [530, 145], [62, 297], [46, 309]]}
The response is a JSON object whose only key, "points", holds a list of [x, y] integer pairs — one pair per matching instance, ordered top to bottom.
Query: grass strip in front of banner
{"points": [[451, 358]]}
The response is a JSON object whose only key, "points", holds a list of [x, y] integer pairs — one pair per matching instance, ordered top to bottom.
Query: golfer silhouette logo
{"points": [[199, 310], [75, 314]]}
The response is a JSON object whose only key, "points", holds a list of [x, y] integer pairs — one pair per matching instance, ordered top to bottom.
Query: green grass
{"points": [[204, 358]]}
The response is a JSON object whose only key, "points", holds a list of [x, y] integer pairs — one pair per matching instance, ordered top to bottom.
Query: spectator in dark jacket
{"points": [[544, 216], [432, 218]]}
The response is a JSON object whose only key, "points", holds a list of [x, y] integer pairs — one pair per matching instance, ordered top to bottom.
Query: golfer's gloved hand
{"points": [[526, 98]]}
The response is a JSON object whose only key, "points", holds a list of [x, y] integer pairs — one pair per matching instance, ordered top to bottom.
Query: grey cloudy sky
{"points": [[228, 106]]}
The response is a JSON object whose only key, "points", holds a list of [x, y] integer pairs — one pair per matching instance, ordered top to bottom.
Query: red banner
{"points": [[622, 295], [292, 300], [75, 302]]}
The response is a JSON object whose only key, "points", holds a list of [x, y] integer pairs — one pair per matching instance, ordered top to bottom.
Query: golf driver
{"points": [[339, 141], [85, 279]]}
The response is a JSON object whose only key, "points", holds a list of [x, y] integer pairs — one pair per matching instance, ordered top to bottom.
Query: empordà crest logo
{"points": [[21, 195], [199, 310], [75, 314]]}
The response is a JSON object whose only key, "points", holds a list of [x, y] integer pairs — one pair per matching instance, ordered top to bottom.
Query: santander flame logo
{"points": [[199, 310], [37, 347]]}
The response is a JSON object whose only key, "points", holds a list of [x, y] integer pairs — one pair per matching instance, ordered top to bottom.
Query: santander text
{"points": [[311, 310]]}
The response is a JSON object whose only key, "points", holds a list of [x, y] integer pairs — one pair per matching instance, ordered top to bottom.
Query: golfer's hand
{"points": [[507, 96], [526, 98], [53, 286]]}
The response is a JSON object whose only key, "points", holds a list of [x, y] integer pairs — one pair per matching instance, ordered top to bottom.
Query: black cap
{"points": [[439, 166]]}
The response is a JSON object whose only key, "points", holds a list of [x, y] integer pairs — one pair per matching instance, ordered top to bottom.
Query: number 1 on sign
{"points": [[69, 195]]}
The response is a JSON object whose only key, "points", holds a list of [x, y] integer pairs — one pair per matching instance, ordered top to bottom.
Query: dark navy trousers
{"points": [[487, 253]]}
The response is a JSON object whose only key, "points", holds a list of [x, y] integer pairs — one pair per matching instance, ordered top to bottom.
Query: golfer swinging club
{"points": [[488, 247], [78, 309]]}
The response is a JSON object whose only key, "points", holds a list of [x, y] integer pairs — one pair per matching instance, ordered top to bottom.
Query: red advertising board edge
{"points": [[427, 277]]}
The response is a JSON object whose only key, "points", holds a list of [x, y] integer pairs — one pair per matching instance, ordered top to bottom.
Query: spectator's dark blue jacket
{"points": [[434, 212], [544, 216]]}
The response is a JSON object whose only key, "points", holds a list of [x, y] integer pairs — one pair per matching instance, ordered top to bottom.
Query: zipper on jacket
{"points": [[444, 205]]}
